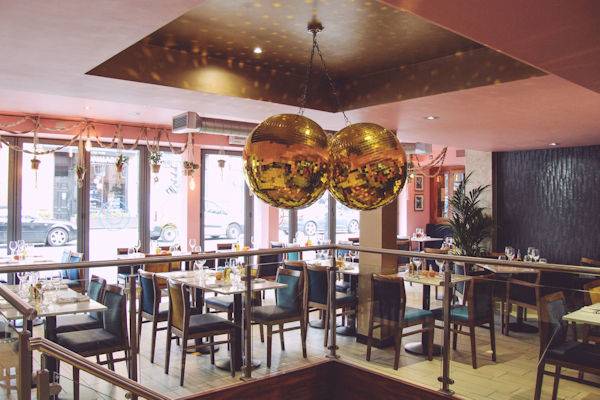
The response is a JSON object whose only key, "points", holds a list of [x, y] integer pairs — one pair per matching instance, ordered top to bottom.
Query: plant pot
{"points": [[35, 164], [119, 168], [155, 168], [188, 172]]}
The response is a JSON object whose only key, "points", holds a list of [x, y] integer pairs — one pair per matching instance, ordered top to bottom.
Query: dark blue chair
{"points": [[72, 275], [81, 322]]}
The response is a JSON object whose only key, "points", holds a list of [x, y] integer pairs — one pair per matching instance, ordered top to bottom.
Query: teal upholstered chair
{"points": [[72, 275], [288, 308], [388, 309], [477, 311], [80, 322]]}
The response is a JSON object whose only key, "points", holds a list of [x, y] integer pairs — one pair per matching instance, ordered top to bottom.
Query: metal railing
{"points": [[53, 350]]}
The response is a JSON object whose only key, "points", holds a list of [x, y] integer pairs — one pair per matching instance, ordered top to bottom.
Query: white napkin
{"points": [[78, 298]]}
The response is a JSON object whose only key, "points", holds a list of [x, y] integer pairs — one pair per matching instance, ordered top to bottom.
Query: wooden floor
{"points": [[511, 377]]}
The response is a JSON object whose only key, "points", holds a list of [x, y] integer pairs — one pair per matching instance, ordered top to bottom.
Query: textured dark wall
{"points": [[549, 199]]}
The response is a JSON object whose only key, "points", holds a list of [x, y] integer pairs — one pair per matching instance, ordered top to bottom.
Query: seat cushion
{"points": [[342, 286], [344, 298], [219, 302], [273, 313], [457, 313], [414, 314], [78, 322], [200, 323], [88, 340], [578, 353]]}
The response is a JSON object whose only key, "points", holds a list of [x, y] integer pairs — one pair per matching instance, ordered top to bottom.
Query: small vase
{"points": [[155, 168]]}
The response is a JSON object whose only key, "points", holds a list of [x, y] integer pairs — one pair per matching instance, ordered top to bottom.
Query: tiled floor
{"points": [[511, 377]]}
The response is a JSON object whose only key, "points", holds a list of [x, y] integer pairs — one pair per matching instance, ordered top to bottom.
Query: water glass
{"points": [[192, 243], [137, 246], [510, 253], [535, 254], [417, 261]]}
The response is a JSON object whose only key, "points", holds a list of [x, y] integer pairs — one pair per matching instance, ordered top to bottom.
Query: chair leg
{"points": [[507, 319], [326, 322], [262, 332], [431, 336], [454, 336], [281, 337], [303, 337], [370, 337], [493, 338], [153, 344], [269, 344], [397, 347], [473, 347], [168, 350], [212, 350], [232, 353], [183, 354], [111, 363], [539, 379], [556, 381], [75, 383]]}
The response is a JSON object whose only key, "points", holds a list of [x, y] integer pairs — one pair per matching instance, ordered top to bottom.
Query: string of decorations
{"points": [[429, 170]]}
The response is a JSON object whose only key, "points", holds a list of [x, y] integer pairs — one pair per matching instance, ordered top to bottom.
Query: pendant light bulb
{"points": [[88, 145], [192, 184]]}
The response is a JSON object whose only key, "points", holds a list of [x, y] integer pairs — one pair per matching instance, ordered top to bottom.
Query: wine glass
{"points": [[192, 243], [13, 245], [136, 246], [20, 247], [130, 251], [510, 253], [535, 254], [417, 261], [440, 264], [21, 275]]}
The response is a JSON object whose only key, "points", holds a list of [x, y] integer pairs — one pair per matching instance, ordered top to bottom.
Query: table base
{"points": [[521, 327], [346, 331], [417, 349], [204, 350], [225, 364]]}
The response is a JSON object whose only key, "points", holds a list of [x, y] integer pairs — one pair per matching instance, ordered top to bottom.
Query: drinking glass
{"points": [[192, 243], [137, 246], [13, 247], [20, 247], [130, 251], [510, 253], [535, 254], [417, 263], [440, 264], [21, 276], [55, 280]]}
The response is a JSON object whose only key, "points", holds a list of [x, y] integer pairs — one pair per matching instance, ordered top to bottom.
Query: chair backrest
{"points": [[276, 245], [224, 246], [121, 251], [65, 256], [293, 256], [69, 257], [590, 262], [268, 264], [295, 265], [317, 284], [96, 292], [592, 292], [150, 295], [289, 297], [388, 297], [480, 298], [179, 304], [114, 318], [553, 329]]}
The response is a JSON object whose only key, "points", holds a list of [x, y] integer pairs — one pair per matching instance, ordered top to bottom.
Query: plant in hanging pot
{"points": [[155, 161], [35, 163], [120, 163], [189, 167], [80, 172], [470, 224]]}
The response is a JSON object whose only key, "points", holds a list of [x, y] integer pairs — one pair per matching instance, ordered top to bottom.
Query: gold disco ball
{"points": [[286, 161], [368, 166]]}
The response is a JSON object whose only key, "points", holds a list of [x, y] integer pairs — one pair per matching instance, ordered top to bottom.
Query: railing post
{"points": [[332, 270], [247, 325], [133, 330], [25, 365], [445, 378], [43, 385]]}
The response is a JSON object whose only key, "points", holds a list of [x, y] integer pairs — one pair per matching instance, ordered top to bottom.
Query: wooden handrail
{"points": [[19, 304], [52, 349]]}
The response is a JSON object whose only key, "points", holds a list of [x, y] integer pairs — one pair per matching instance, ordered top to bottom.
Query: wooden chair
{"points": [[590, 262], [268, 264], [124, 271], [73, 275], [522, 292], [317, 298], [288, 308], [150, 309], [389, 310], [477, 311], [80, 322], [184, 324], [109, 339], [557, 350]]}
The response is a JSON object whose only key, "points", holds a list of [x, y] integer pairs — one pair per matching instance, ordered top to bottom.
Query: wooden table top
{"points": [[425, 239], [6, 262], [501, 269], [436, 280], [209, 283], [52, 308], [586, 315]]}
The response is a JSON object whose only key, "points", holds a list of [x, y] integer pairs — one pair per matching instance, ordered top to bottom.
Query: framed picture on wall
{"points": [[419, 183], [419, 202]]}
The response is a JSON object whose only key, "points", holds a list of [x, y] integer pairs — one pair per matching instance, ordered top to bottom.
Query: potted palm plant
{"points": [[155, 161], [470, 224]]}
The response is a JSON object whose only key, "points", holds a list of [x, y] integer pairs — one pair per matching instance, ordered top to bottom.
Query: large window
{"points": [[3, 196], [224, 198], [49, 201], [168, 203], [113, 205], [313, 221], [347, 222], [284, 225]]}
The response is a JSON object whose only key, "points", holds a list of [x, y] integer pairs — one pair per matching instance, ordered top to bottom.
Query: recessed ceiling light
{"points": [[257, 50], [87, 107], [431, 117], [553, 144]]}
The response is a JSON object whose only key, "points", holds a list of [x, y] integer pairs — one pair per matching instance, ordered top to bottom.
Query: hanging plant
{"points": [[155, 161], [35, 163], [120, 163], [189, 167], [80, 171]]}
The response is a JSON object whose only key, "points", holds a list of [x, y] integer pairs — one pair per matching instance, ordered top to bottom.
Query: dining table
{"points": [[424, 239], [207, 282], [427, 282], [63, 301], [589, 315]]}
